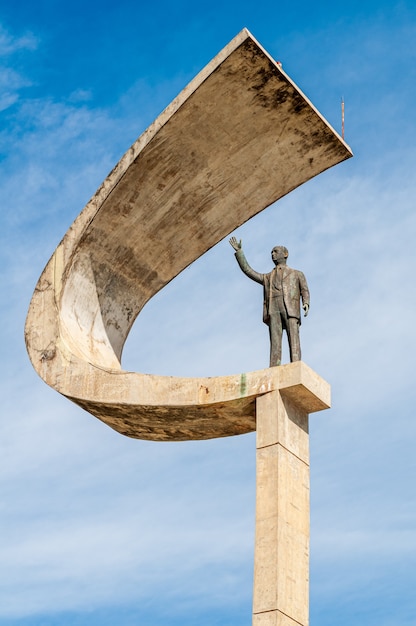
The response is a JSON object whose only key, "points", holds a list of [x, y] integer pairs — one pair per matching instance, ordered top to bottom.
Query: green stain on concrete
{"points": [[243, 385]]}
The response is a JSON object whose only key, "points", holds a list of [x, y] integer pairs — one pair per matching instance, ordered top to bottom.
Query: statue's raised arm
{"points": [[242, 261]]}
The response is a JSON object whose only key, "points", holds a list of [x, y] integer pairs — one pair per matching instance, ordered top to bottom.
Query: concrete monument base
{"points": [[281, 560]]}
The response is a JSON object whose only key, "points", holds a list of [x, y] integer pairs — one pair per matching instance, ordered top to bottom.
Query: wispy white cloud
{"points": [[10, 43], [11, 81]]}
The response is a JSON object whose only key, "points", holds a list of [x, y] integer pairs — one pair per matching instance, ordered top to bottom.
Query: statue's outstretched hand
{"points": [[236, 244], [306, 308]]}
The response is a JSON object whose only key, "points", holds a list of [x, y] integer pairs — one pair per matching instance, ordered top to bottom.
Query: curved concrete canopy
{"points": [[240, 136]]}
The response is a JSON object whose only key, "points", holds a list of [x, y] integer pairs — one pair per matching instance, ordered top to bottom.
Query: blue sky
{"points": [[102, 530]]}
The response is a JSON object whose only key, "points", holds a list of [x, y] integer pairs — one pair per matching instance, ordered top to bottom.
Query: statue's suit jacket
{"points": [[294, 286]]}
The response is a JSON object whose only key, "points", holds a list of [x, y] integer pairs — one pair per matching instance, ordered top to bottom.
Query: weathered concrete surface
{"points": [[240, 136], [281, 559]]}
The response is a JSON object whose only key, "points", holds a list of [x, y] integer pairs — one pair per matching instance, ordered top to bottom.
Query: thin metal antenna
{"points": [[343, 117]]}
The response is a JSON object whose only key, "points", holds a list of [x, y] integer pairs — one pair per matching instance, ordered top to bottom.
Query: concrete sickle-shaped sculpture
{"points": [[240, 136]]}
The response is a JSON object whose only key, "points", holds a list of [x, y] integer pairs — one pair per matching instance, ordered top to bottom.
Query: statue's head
{"points": [[279, 254]]}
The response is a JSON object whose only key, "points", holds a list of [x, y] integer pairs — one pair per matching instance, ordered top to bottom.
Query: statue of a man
{"points": [[283, 288]]}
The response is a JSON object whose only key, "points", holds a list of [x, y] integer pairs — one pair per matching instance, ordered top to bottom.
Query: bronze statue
{"points": [[283, 289]]}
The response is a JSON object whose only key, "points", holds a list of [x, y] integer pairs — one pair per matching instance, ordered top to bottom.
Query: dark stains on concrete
{"points": [[182, 423]]}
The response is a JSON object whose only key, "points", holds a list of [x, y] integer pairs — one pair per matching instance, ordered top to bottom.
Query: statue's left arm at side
{"points": [[242, 261], [304, 292]]}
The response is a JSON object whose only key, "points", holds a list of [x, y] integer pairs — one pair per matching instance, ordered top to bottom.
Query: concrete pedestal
{"points": [[281, 560]]}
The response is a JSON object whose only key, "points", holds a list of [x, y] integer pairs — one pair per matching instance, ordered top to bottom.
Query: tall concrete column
{"points": [[281, 560]]}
